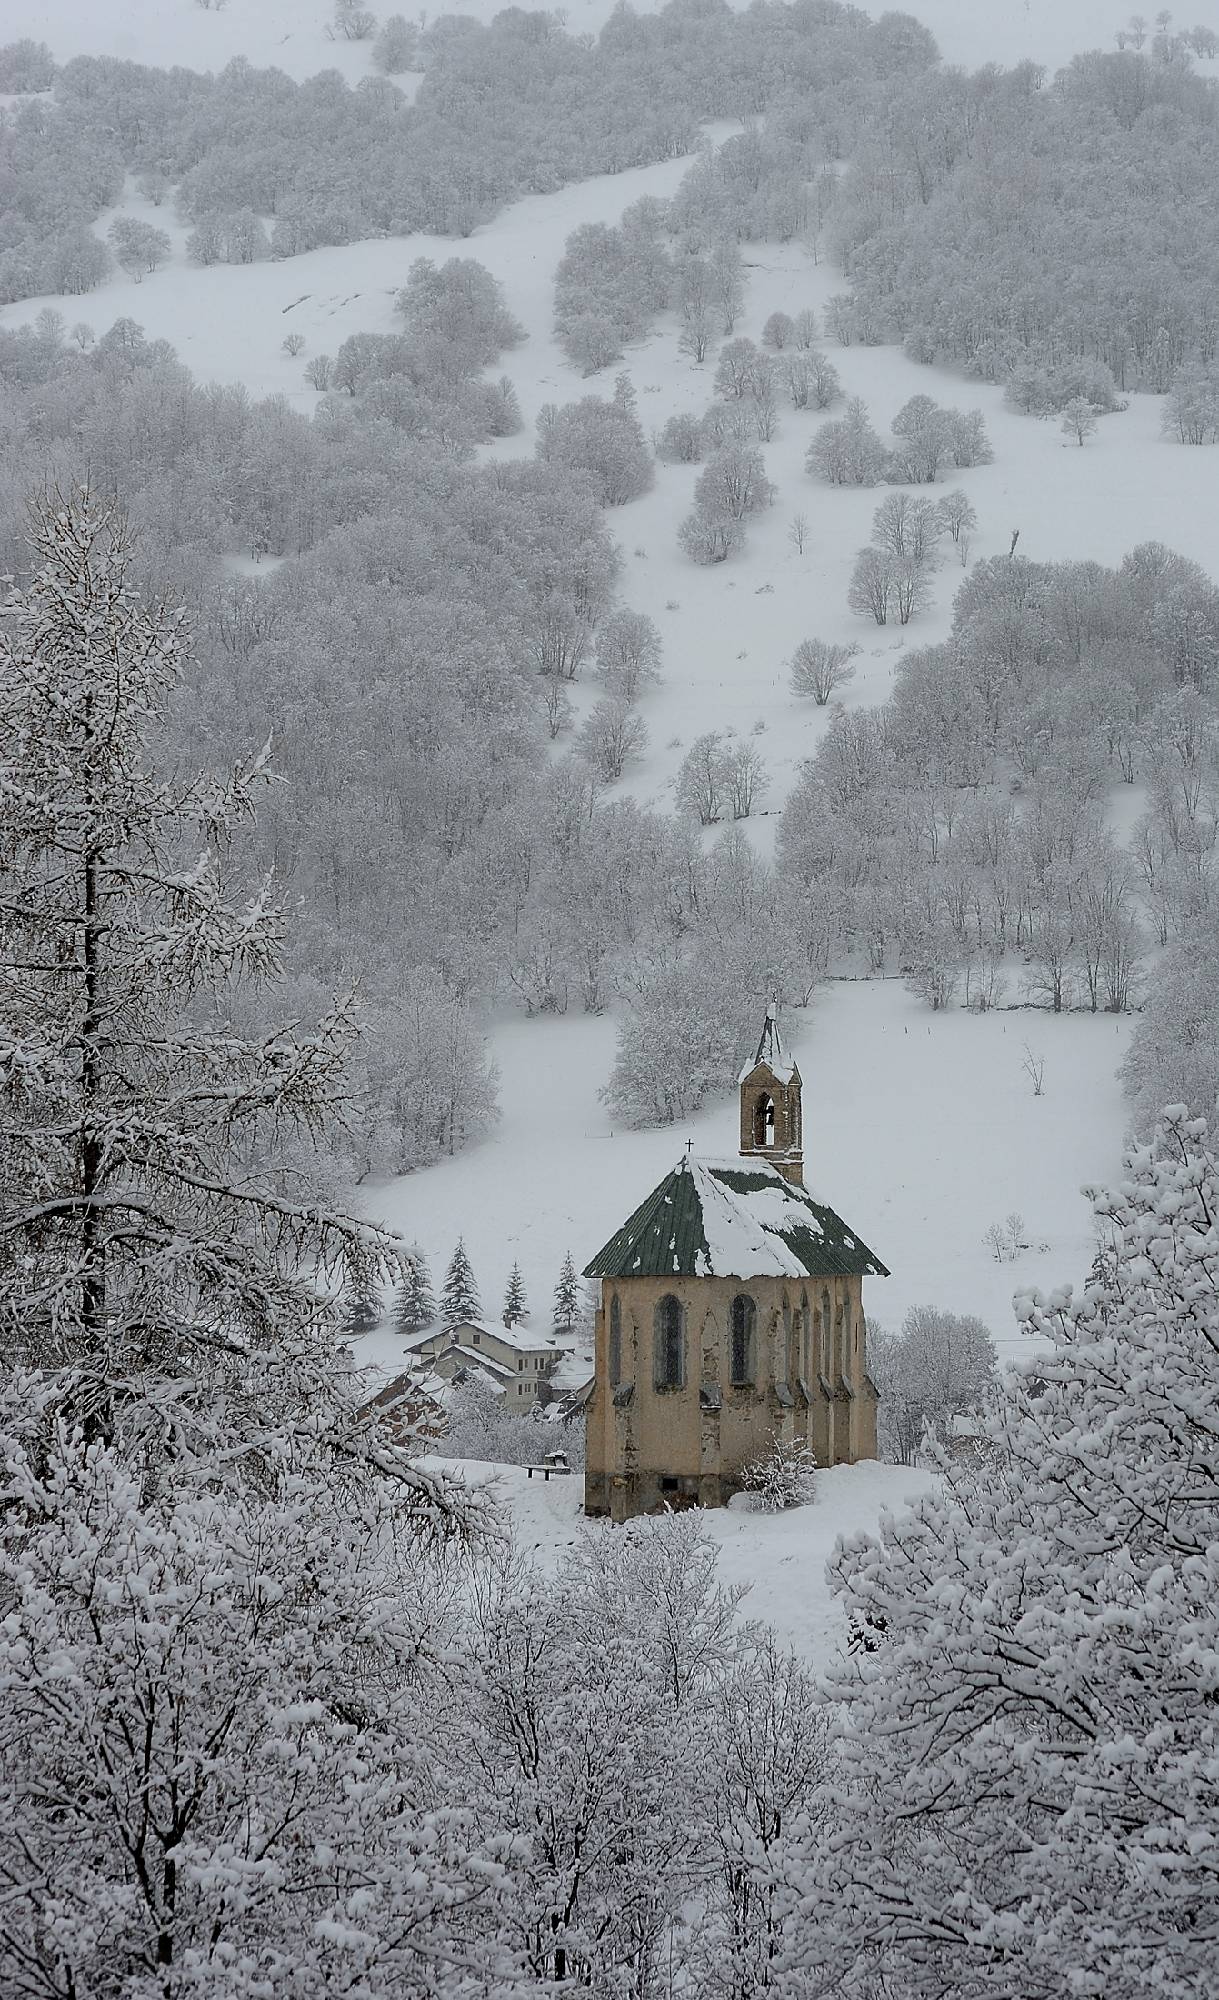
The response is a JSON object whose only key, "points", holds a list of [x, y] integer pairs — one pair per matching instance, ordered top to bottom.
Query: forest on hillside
{"points": [[414, 615]]}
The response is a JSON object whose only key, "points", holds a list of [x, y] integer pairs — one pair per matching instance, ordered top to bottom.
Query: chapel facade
{"points": [[731, 1314]]}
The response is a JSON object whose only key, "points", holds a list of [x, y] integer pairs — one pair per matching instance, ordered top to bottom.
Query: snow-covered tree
{"points": [[1078, 419], [819, 669], [147, 1253], [459, 1298], [516, 1305], [414, 1307], [566, 1311], [941, 1366], [230, 1784], [1028, 1806]]}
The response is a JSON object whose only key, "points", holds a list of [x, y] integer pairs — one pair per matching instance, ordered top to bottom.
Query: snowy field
{"points": [[921, 1128], [779, 1559]]}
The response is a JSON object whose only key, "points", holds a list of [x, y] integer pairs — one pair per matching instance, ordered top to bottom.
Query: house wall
{"points": [[660, 1444]]}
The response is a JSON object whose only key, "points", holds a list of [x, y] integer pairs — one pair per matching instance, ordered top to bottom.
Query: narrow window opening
{"points": [[764, 1121], [744, 1318], [615, 1341], [668, 1342]]}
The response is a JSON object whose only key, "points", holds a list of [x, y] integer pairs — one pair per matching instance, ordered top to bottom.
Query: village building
{"points": [[731, 1315], [516, 1363]]}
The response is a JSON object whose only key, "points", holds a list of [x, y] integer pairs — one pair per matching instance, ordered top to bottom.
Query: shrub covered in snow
{"points": [[785, 1476]]}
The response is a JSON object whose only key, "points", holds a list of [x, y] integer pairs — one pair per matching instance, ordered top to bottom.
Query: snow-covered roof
{"points": [[771, 1053], [733, 1219], [515, 1337], [479, 1358]]}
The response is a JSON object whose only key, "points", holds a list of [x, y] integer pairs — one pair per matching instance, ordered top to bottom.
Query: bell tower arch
{"points": [[771, 1113]]}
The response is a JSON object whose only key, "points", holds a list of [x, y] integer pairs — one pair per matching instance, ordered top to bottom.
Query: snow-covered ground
{"points": [[921, 1128], [778, 1558]]}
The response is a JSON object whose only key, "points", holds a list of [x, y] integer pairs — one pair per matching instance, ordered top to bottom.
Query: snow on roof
{"points": [[770, 1052], [733, 1219], [514, 1337], [480, 1358]]}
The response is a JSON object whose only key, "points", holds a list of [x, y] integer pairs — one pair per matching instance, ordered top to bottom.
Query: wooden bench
{"points": [[554, 1463]]}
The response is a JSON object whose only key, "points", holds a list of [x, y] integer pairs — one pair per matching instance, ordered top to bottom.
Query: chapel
{"points": [[731, 1314]]}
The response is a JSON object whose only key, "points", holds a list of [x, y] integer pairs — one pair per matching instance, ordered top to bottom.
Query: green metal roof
{"points": [[712, 1219]]}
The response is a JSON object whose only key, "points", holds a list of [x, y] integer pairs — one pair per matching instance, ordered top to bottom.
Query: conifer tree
{"points": [[149, 1257], [567, 1297], [459, 1299], [414, 1300], [516, 1305], [361, 1312], [232, 1743]]}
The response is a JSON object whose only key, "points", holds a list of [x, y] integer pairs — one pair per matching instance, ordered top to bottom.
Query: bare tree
{"points": [[1079, 419], [797, 532], [818, 668]]}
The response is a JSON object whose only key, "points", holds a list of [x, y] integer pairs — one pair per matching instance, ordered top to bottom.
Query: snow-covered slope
{"points": [[922, 1129]]}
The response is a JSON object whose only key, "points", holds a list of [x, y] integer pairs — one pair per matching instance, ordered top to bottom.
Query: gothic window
{"points": [[764, 1121], [744, 1319], [827, 1322], [846, 1336], [806, 1339], [615, 1341], [789, 1342], [669, 1371]]}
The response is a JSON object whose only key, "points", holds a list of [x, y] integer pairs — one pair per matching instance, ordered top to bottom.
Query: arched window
{"points": [[764, 1121], [744, 1319], [827, 1323], [806, 1339], [615, 1341], [789, 1341], [845, 1356], [670, 1369]]}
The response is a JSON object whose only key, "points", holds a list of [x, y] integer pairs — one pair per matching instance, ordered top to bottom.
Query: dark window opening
{"points": [[764, 1122], [744, 1319], [668, 1337], [615, 1341]]}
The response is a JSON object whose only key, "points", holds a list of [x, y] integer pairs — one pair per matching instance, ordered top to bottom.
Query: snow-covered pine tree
{"points": [[146, 1254], [459, 1298], [567, 1298], [414, 1301], [516, 1305], [361, 1312], [1030, 1747], [234, 1757]]}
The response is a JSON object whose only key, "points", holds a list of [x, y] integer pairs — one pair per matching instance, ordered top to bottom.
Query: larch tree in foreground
{"points": [[1030, 1749], [216, 1774]]}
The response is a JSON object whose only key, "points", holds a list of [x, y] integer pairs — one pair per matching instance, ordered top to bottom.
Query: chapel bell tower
{"points": [[770, 1106]]}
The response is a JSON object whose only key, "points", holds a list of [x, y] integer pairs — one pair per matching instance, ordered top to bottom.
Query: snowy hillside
{"points": [[292, 33], [921, 1128]]}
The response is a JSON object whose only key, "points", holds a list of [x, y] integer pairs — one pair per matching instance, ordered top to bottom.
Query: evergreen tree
{"points": [[172, 1292], [567, 1298], [459, 1299], [414, 1300], [516, 1305], [361, 1312], [233, 1744]]}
